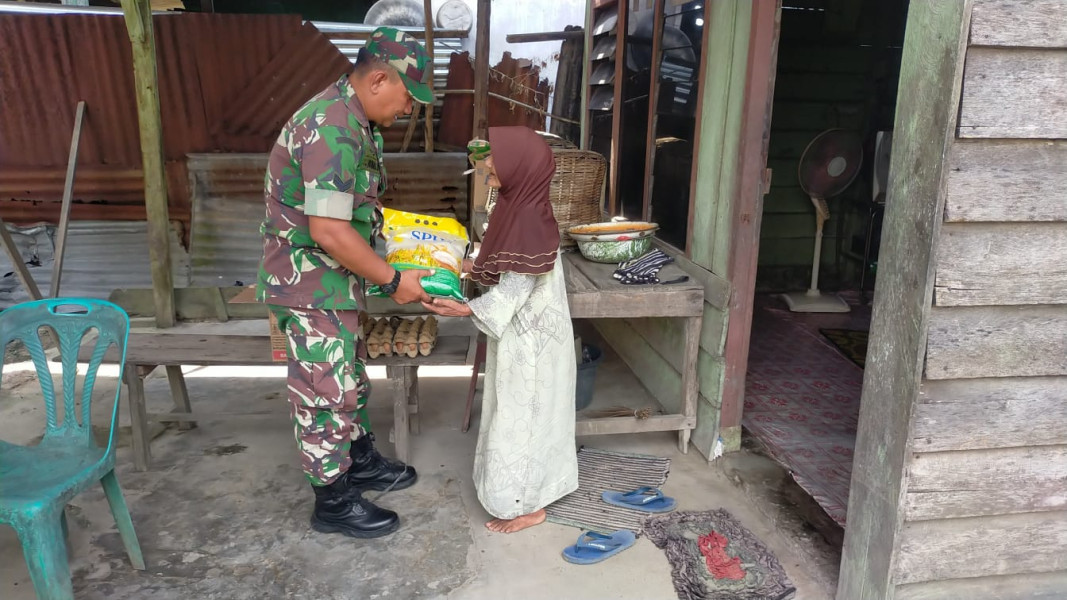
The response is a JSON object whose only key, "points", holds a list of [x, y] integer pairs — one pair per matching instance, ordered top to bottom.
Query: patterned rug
{"points": [[851, 342], [802, 402], [600, 471], [714, 557]]}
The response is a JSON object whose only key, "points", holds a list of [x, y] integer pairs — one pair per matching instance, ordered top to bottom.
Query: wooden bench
{"points": [[147, 350]]}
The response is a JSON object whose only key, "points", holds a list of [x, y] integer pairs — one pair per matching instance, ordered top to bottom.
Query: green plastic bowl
{"points": [[617, 244], [613, 252]]}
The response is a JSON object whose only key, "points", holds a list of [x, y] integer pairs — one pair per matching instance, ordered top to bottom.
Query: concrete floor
{"points": [[224, 513]]}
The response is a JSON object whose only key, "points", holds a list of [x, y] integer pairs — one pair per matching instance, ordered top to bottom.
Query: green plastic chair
{"points": [[37, 482]]}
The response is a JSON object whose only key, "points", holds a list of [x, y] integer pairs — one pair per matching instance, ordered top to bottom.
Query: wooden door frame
{"points": [[935, 44], [931, 70], [747, 210]]}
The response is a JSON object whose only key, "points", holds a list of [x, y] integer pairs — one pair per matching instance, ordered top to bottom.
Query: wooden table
{"points": [[594, 294], [173, 348]]}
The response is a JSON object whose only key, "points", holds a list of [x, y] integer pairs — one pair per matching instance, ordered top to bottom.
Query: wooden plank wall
{"points": [[835, 70], [985, 509]]}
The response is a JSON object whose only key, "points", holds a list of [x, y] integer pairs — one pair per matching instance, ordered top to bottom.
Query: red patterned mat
{"points": [[714, 557]]}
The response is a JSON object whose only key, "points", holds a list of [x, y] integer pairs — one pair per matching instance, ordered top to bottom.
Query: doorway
{"points": [[838, 67]]}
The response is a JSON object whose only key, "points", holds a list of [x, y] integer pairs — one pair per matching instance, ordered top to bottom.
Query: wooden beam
{"points": [[138, 15], [428, 15], [415, 33], [548, 36], [586, 49], [481, 72], [931, 72], [653, 107], [699, 110], [413, 121], [615, 156], [68, 192]]}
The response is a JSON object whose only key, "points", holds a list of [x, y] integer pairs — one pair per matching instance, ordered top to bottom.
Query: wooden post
{"points": [[138, 15], [621, 32], [587, 48], [429, 49], [931, 70], [481, 72], [653, 106], [413, 121], [68, 192], [747, 213]]}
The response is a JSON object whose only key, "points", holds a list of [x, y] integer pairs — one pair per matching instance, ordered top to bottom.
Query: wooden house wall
{"points": [[838, 64], [985, 504]]}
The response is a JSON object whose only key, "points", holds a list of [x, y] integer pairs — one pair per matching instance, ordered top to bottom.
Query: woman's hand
{"points": [[468, 264], [447, 308]]}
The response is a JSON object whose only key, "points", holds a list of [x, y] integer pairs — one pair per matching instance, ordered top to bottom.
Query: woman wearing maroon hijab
{"points": [[526, 456]]}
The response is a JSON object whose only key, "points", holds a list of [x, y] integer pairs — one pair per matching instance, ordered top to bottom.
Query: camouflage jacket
{"points": [[327, 162]]}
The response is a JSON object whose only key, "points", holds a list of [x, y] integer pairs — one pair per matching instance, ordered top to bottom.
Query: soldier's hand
{"points": [[410, 288]]}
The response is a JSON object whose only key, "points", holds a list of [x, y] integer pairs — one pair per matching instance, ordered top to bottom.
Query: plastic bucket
{"points": [[583, 394]]}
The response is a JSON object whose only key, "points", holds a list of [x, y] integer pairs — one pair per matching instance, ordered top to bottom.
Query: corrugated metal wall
{"points": [[205, 61], [227, 84], [227, 197], [101, 256]]}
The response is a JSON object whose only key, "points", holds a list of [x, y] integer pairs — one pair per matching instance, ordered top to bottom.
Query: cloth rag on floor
{"points": [[643, 269]]}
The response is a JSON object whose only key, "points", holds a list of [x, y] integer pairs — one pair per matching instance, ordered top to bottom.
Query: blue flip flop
{"points": [[647, 499], [593, 547]]}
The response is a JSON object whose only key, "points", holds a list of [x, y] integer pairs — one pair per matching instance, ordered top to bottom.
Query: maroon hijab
{"points": [[523, 236]]}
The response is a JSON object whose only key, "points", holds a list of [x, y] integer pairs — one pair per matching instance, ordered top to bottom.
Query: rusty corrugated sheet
{"points": [[204, 62], [306, 63], [509, 78], [227, 83], [32, 194], [227, 198]]}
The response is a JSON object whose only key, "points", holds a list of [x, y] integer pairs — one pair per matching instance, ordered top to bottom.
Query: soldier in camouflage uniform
{"points": [[322, 187]]}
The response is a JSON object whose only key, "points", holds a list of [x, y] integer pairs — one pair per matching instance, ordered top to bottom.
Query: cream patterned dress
{"points": [[526, 456]]}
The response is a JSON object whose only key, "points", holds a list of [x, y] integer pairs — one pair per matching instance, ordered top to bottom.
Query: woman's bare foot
{"points": [[518, 523]]}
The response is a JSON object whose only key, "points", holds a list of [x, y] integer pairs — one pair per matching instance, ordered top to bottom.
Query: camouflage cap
{"points": [[405, 54]]}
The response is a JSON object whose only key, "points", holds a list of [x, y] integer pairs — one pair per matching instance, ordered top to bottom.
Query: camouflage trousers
{"points": [[328, 386]]}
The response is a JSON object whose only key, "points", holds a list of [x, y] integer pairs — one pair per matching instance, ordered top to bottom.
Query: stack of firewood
{"points": [[393, 335]]}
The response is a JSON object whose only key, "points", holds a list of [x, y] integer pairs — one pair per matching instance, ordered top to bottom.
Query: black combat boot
{"points": [[372, 471], [340, 508]]}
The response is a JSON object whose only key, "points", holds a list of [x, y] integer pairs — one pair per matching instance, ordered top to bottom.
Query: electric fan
{"points": [[829, 164]]}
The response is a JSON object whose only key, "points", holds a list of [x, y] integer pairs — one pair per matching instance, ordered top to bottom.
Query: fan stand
{"points": [[814, 301]]}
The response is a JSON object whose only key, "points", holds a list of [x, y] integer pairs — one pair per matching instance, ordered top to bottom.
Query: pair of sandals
{"points": [[593, 547]]}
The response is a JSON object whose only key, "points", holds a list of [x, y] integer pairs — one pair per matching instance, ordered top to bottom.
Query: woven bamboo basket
{"points": [[576, 189]]}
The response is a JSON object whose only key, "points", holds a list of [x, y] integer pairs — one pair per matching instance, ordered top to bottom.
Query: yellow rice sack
{"points": [[414, 241]]}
